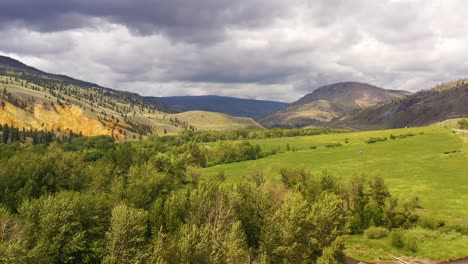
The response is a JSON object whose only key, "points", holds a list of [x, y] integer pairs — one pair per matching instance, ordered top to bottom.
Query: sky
{"points": [[260, 49]]}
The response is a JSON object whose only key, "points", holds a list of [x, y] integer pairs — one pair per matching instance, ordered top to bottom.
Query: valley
{"points": [[407, 153]]}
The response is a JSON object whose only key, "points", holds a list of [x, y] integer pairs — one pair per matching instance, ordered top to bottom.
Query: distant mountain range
{"points": [[329, 102], [227, 105]]}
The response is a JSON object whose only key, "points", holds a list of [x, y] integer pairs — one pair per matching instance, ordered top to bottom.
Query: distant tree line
{"points": [[12, 134], [244, 134]]}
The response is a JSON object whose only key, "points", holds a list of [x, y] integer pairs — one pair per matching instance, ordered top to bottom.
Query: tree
{"points": [[463, 123], [6, 134], [379, 190], [329, 218], [66, 228], [287, 236], [126, 240]]}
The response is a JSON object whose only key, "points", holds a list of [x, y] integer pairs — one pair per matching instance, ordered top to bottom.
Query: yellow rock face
{"points": [[46, 117]]}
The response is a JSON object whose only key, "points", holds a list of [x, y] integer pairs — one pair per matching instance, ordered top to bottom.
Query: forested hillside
{"points": [[35, 100], [445, 101]]}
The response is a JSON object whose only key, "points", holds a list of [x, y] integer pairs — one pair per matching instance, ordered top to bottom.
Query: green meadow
{"points": [[432, 165]]}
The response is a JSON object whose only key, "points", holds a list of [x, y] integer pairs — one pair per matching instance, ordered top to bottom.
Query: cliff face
{"points": [[44, 117]]}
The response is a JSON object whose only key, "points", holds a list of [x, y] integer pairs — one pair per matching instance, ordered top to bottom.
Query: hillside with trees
{"points": [[34, 100], [445, 101], [330, 102]]}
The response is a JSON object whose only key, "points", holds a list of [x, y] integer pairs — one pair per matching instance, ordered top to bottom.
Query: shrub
{"points": [[463, 123], [403, 135], [375, 140], [333, 145], [313, 147], [431, 223], [376, 232], [397, 239], [411, 243]]}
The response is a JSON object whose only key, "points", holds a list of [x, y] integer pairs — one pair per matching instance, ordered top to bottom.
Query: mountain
{"points": [[33, 99], [446, 101], [329, 102], [227, 105]]}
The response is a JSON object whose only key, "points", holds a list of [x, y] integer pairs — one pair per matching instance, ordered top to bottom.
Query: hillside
{"points": [[35, 100], [329, 102], [227, 105], [426, 107], [204, 120]]}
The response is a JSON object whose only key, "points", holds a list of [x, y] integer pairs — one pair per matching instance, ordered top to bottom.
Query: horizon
{"points": [[263, 50]]}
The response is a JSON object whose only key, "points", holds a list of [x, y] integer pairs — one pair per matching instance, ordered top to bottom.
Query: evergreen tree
{"points": [[6, 134]]}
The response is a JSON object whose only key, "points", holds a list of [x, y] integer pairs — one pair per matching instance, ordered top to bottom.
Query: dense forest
{"points": [[92, 200]]}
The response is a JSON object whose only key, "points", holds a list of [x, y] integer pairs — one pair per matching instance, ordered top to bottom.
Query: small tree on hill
{"points": [[463, 124]]}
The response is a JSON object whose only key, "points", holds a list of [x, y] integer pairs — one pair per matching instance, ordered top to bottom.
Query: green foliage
{"points": [[12, 134], [213, 136], [393, 137], [375, 140], [228, 152], [93, 200], [65, 228], [376, 232], [287, 236], [398, 239], [126, 240]]}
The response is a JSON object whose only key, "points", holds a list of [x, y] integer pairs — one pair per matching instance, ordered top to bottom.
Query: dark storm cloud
{"points": [[189, 20]]}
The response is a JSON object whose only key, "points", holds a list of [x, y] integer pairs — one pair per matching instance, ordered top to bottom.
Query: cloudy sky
{"points": [[264, 49]]}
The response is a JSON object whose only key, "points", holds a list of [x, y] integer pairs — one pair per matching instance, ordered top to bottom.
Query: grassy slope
{"points": [[216, 121], [413, 166]]}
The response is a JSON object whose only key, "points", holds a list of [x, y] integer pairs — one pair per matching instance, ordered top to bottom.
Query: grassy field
{"points": [[412, 166], [432, 245]]}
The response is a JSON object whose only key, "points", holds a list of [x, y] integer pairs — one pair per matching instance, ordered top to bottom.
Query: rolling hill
{"points": [[33, 99], [446, 101], [329, 102], [227, 105], [205, 120]]}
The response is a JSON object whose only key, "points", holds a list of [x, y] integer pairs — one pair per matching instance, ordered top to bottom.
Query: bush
{"points": [[463, 123], [403, 135], [375, 140], [333, 145], [313, 147], [450, 152], [431, 223], [376, 232], [397, 239], [411, 243]]}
